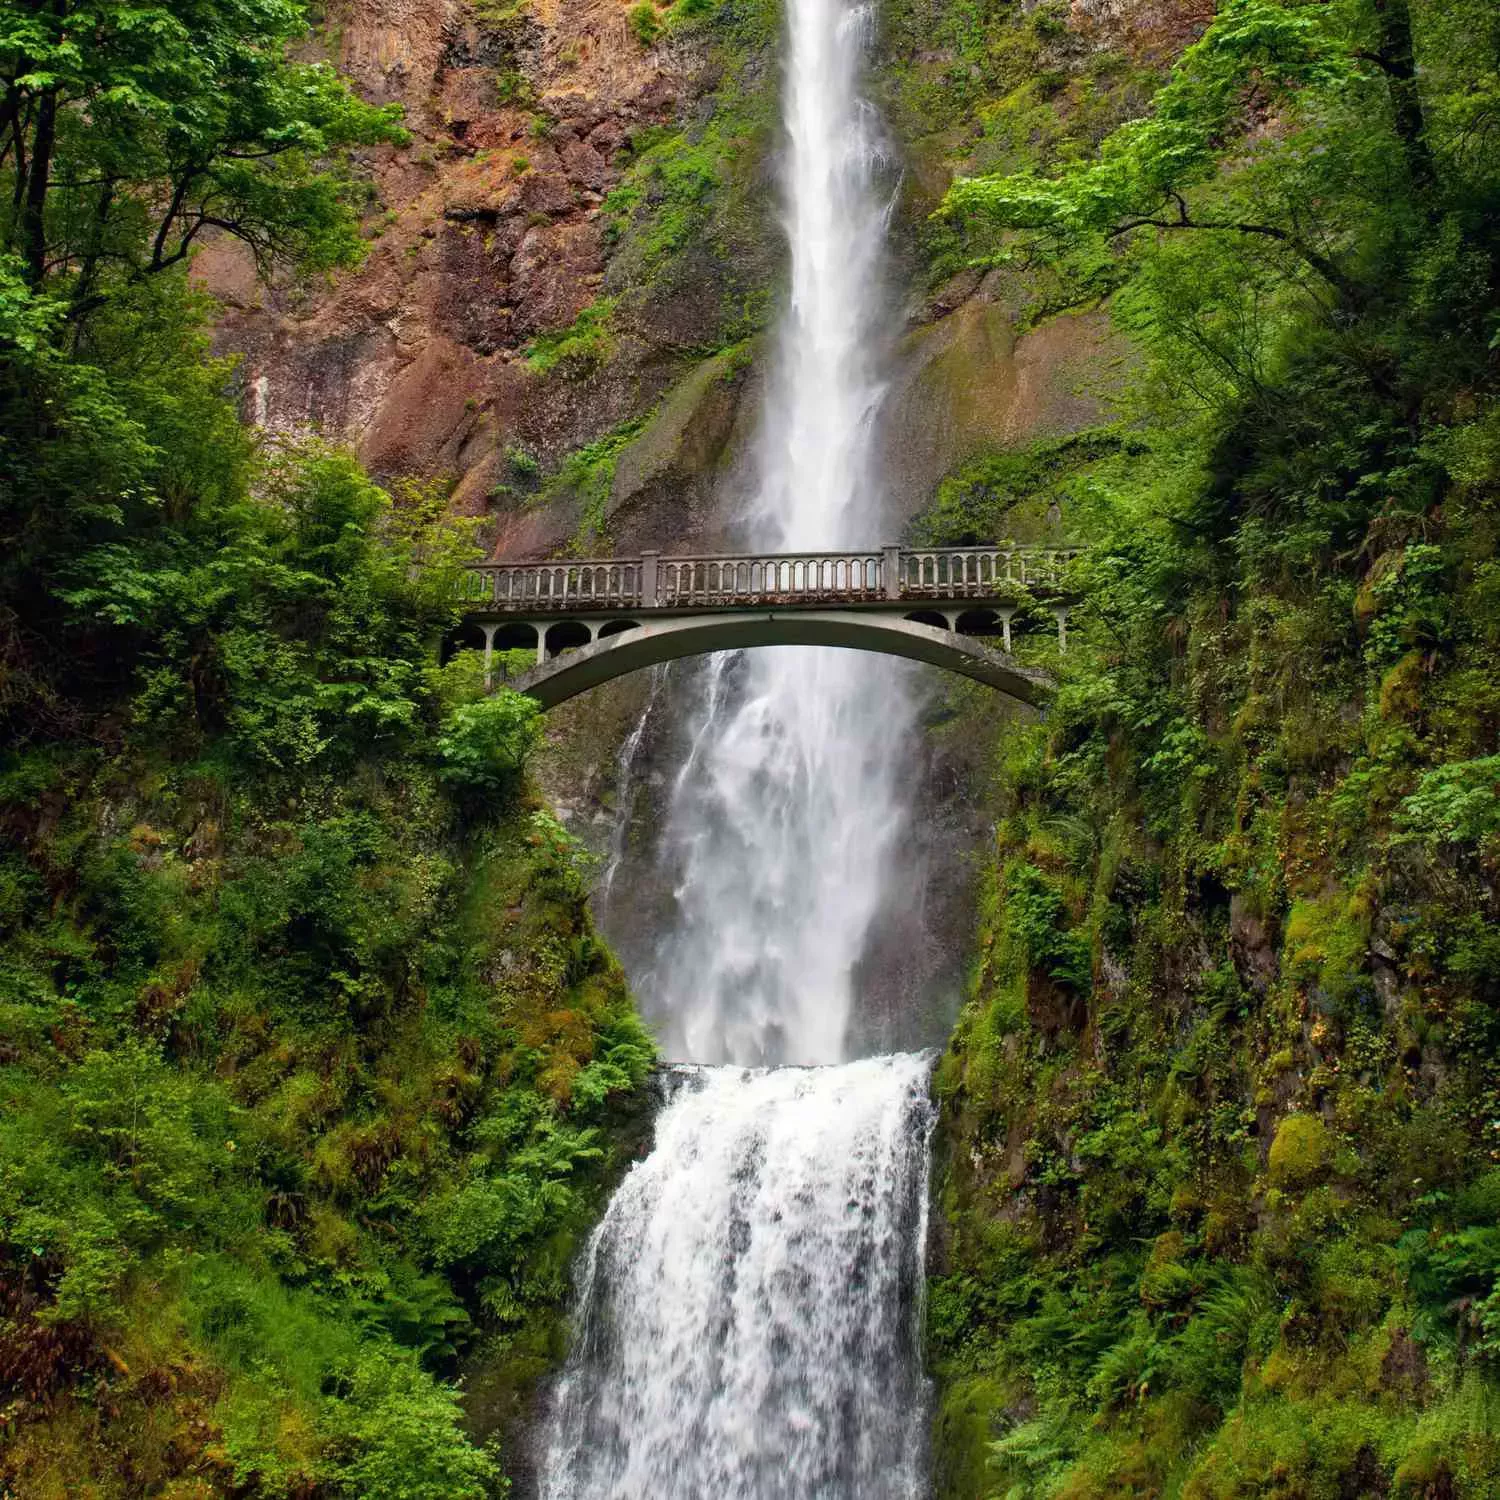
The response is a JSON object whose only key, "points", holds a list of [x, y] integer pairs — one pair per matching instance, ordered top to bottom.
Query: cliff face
{"points": [[508, 215], [571, 258]]}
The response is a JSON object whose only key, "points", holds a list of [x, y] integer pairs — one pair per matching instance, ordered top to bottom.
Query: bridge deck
{"points": [[880, 578], [596, 619]]}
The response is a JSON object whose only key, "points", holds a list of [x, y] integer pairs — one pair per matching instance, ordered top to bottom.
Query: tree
{"points": [[1265, 128], [127, 130]]}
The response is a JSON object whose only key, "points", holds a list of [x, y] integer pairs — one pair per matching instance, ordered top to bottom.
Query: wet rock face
{"points": [[485, 231]]}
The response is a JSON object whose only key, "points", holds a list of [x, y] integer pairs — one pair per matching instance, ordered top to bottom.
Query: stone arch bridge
{"points": [[591, 621]]}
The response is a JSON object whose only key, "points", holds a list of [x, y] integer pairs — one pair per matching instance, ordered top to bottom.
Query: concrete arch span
{"points": [[660, 640]]}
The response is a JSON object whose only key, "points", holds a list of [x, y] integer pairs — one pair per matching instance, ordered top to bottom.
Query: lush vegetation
{"points": [[689, 220], [310, 1063], [311, 1067], [1221, 1189]]}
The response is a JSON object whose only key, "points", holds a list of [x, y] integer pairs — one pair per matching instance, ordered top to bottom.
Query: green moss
{"points": [[585, 344], [586, 479]]}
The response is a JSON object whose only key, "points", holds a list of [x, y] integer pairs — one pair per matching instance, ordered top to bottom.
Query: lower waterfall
{"points": [[750, 1306]]}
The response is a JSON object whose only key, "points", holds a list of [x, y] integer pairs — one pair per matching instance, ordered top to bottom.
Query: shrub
{"points": [[645, 24], [484, 747], [406, 1437]]}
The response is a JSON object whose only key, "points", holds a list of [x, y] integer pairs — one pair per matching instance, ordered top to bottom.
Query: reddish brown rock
{"points": [[585, 166], [547, 193], [482, 235], [555, 275], [425, 413]]}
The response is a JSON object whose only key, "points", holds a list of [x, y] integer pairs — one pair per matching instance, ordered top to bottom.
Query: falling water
{"points": [[786, 814], [750, 1302], [748, 1313]]}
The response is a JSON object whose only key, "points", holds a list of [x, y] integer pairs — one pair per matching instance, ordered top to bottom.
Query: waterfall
{"points": [[784, 821], [750, 1303], [748, 1318]]}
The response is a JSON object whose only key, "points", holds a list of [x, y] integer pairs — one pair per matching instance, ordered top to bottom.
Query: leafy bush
{"points": [[645, 24], [483, 747], [1457, 803], [405, 1438]]}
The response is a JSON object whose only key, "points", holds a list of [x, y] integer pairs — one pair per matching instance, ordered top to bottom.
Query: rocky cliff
{"points": [[570, 261]]}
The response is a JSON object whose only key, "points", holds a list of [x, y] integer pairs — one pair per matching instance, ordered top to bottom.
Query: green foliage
{"points": [[684, 13], [644, 22], [130, 130], [1145, 167], [583, 346], [483, 747], [1458, 803], [1037, 921], [288, 953], [1220, 1217], [406, 1438]]}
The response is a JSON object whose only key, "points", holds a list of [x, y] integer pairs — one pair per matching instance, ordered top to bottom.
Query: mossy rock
{"points": [[970, 383], [686, 435], [661, 476], [1301, 1151], [963, 1428], [1424, 1474]]}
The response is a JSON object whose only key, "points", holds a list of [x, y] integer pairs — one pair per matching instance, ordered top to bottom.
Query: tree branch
{"points": [[174, 207], [1299, 247]]}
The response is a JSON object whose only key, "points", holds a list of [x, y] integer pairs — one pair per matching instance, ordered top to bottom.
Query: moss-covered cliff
{"points": [[312, 1069], [1219, 1184]]}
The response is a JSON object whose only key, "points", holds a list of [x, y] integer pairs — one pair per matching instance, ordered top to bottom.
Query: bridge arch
{"points": [[645, 643]]}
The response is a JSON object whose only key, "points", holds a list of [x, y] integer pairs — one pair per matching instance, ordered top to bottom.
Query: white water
{"points": [[786, 816], [750, 1303], [748, 1320]]}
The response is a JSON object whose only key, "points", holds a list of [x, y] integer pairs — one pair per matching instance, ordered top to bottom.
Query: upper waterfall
{"points": [[785, 813]]}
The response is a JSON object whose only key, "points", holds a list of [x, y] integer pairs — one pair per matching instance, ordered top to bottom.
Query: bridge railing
{"points": [[966, 572], [800, 576], [723, 579], [545, 587]]}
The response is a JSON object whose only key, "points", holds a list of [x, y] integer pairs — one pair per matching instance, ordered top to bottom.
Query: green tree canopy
{"points": [[1285, 123], [127, 130]]}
